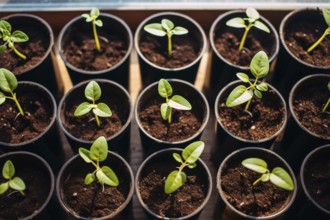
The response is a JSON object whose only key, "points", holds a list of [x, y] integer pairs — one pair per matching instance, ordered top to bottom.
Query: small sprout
{"points": [[326, 15], [92, 17], [252, 18], [166, 27], [11, 38], [259, 67], [8, 83], [93, 93], [177, 101], [328, 102], [98, 153], [190, 155], [279, 177], [16, 183]]}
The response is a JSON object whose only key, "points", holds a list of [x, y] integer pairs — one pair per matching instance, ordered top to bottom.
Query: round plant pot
{"points": [[297, 34], [77, 49], [152, 50], [38, 66], [186, 126], [82, 131], [39, 181], [151, 195], [257, 200], [80, 201]]}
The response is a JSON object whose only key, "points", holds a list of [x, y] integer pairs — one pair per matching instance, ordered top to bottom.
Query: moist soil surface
{"points": [[299, 36], [81, 51], [307, 107], [268, 115], [184, 123], [263, 199], [180, 203]]}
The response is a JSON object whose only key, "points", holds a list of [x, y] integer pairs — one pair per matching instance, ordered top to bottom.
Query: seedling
{"points": [[326, 15], [92, 17], [252, 19], [166, 27], [11, 38], [259, 67], [8, 83], [93, 93], [178, 102], [328, 102], [98, 153], [190, 155], [279, 177], [16, 183]]}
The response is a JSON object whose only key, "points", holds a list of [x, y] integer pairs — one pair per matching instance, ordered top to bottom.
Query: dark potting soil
{"points": [[300, 35], [184, 51], [82, 53], [307, 107], [38, 113], [268, 115], [184, 123], [263, 199], [180, 203]]}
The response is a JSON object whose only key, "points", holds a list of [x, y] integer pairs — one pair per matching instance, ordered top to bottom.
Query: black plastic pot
{"points": [[111, 24], [151, 72], [197, 100], [119, 142], [166, 156], [22, 159], [117, 164], [226, 211]]}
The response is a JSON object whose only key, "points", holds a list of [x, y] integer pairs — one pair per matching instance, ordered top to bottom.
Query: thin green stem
{"points": [[326, 32], [97, 42], [169, 44], [241, 45], [18, 53], [252, 87], [17, 104], [326, 105], [170, 116], [96, 117]]}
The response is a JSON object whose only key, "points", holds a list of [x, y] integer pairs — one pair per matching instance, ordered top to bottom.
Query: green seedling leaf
{"points": [[95, 12], [252, 13], [326, 15], [88, 17], [99, 23], [236, 23], [167, 24], [5, 26], [261, 26], [155, 29], [180, 31], [19, 36], [260, 65], [242, 76], [8, 81], [262, 87], [164, 88], [93, 91], [258, 94], [238, 96], [2, 98], [180, 103], [83, 109], [102, 110], [165, 111], [99, 149], [193, 151], [85, 154], [177, 157], [255, 164], [192, 165], [8, 170], [107, 176], [265, 177], [90, 178], [281, 178], [174, 181], [17, 184], [4, 187]]}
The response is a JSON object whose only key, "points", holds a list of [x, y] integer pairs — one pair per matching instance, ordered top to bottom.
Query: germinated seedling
{"points": [[326, 15], [93, 17], [252, 19], [166, 27], [10, 38], [259, 67], [8, 83], [93, 93], [178, 102], [328, 102], [98, 153], [190, 155], [278, 176], [14, 182]]}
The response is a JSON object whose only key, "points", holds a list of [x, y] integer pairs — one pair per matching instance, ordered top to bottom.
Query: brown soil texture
{"points": [[299, 36], [184, 51], [82, 53], [307, 107], [268, 115], [184, 123], [263, 199]]}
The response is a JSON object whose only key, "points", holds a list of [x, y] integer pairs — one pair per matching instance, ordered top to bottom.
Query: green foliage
{"points": [[93, 17], [252, 19], [166, 27], [10, 38], [93, 93], [178, 102], [328, 102], [190, 155], [278, 176], [16, 183]]}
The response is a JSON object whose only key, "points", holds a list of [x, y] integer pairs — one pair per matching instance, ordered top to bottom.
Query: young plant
{"points": [[326, 15], [92, 17], [252, 19], [166, 27], [11, 38], [259, 67], [8, 83], [93, 93], [177, 101], [328, 102], [98, 153], [190, 155], [279, 177], [16, 183]]}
